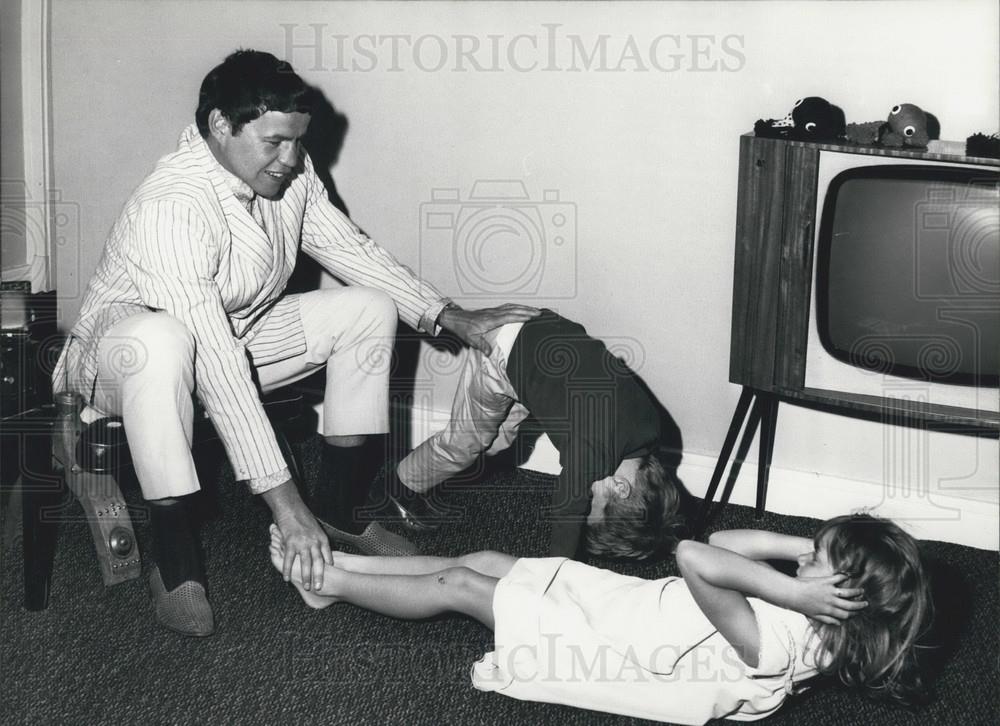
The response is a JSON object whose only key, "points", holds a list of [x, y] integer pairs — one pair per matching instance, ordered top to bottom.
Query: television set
{"points": [[867, 279], [907, 280], [866, 283]]}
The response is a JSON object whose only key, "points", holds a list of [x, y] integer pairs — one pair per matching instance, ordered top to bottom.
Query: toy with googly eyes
{"points": [[811, 119], [908, 125]]}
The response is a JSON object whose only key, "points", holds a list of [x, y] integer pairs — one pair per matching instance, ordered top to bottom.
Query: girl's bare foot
{"points": [[312, 599]]}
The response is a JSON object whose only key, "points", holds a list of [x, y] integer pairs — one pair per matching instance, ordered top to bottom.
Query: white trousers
{"points": [[347, 329], [485, 416]]}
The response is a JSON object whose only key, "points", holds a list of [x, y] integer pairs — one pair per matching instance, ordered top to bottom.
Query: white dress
{"points": [[574, 634]]}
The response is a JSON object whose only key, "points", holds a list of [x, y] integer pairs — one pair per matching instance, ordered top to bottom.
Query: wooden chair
{"points": [[91, 458]]}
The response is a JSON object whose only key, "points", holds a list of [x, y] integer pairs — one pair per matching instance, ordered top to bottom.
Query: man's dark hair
{"points": [[249, 83]]}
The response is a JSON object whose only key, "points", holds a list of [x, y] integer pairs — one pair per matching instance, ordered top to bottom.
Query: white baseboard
{"points": [[927, 515]]}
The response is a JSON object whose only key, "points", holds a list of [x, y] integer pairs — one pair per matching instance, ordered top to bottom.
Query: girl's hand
{"points": [[820, 598]]}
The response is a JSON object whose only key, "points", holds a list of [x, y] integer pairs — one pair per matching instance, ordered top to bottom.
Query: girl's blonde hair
{"points": [[877, 648]]}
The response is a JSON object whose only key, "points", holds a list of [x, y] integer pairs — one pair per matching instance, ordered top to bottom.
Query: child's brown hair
{"points": [[644, 523], [877, 648]]}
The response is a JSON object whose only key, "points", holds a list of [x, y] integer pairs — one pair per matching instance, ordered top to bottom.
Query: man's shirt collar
{"points": [[222, 176]]}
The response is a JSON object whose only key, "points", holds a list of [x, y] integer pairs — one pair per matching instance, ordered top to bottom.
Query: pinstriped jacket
{"points": [[186, 243]]}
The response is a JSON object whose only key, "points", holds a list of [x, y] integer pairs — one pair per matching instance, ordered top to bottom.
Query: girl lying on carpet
{"points": [[731, 638]]}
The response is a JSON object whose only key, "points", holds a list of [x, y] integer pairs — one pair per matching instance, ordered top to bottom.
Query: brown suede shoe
{"points": [[375, 540], [184, 609]]}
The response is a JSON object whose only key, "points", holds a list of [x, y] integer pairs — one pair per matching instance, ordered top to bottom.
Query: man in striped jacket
{"points": [[188, 299]]}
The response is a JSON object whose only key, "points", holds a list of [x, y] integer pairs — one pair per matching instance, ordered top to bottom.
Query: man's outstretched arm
{"points": [[334, 241], [471, 326], [302, 535]]}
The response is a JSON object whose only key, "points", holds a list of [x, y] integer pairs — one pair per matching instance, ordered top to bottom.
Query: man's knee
{"points": [[377, 307], [350, 314], [149, 344]]}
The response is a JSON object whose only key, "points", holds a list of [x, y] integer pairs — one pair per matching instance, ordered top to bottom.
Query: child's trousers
{"points": [[485, 415]]}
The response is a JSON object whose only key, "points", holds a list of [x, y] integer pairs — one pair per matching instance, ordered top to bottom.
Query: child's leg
{"points": [[482, 400], [508, 429], [488, 562], [494, 564], [381, 565], [412, 597]]}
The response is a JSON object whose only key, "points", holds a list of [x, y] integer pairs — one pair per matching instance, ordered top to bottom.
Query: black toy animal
{"points": [[811, 119], [979, 144]]}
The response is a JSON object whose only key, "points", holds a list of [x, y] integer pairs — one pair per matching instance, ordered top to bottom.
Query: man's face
{"points": [[265, 153]]}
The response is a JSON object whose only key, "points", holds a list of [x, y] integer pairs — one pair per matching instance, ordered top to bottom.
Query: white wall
{"points": [[647, 157], [13, 241]]}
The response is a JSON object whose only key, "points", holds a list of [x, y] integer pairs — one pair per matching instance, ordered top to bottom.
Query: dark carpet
{"points": [[96, 656]]}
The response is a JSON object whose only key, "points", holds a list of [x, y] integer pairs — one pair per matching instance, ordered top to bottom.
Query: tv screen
{"points": [[908, 272]]}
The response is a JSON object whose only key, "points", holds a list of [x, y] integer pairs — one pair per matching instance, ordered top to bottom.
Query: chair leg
{"points": [[739, 415], [769, 417], [41, 494], [103, 505], [110, 524]]}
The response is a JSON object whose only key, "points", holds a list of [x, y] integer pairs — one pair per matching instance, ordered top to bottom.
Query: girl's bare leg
{"points": [[494, 564], [384, 565], [409, 596]]}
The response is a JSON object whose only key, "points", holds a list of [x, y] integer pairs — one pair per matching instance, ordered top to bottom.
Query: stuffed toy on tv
{"points": [[811, 119], [908, 125], [980, 144]]}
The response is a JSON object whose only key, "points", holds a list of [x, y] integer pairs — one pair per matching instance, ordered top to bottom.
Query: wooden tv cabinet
{"points": [[772, 291]]}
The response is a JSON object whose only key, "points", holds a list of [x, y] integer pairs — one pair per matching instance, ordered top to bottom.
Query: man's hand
{"points": [[471, 326], [301, 535], [821, 599]]}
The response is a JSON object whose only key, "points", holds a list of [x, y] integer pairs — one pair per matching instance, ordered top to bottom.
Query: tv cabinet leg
{"points": [[739, 415], [769, 417], [741, 453]]}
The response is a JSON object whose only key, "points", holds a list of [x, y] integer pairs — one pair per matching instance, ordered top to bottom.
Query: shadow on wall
{"points": [[323, 140], [671, 451]]}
